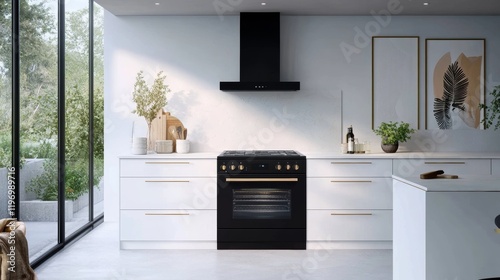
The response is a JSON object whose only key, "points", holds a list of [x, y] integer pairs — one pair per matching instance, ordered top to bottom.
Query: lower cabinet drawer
{"points": [[154, 167], [349, 167], [415, 167], [168, 193], [349, 193], [168, 225], [349, 225]]}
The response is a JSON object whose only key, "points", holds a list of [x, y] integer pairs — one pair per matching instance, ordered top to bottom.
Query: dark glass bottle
{"points": [[350, 140]]}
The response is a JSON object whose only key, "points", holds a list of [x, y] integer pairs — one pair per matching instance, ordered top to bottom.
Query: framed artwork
{"points": [[395, 80], [454, 83]]}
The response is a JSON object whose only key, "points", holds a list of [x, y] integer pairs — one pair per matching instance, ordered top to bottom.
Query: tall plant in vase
{"points": [[149, 100]]}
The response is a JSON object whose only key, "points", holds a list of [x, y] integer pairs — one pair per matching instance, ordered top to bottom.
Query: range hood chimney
{"points": [[259, 55]]}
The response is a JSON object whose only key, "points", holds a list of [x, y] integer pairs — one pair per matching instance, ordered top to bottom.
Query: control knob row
{"points": [[232, 167], [288, 167]]}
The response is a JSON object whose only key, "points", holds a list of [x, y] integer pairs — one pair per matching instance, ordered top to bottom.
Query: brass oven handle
{"points": [[167, 162], [351, 162], [444, 162], [262, 179], [166, 181], [351, 181], [166, 214], [351, 214]]}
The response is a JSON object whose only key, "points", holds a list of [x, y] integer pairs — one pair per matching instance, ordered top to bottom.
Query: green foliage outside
{"points": [[38, 96], [394, 132]]}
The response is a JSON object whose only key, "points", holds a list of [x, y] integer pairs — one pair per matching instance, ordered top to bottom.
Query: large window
{"points": [[5, 105], [60, 111], [77, 113], [38, 114], [98, 116]]}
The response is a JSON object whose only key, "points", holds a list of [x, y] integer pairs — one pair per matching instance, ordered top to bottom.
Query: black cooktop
{"points": [[261, 153]]}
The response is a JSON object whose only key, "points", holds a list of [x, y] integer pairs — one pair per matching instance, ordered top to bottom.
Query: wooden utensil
{"points": [[173, 131], [180, 133], [438, 174]]}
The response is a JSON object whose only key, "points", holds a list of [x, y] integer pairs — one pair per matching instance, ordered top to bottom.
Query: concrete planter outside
{"points": [[32, 209], [44, 211]]}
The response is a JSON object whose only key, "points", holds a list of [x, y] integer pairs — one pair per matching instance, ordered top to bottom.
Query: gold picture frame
{"points": [[396, 79], [454, 82]]}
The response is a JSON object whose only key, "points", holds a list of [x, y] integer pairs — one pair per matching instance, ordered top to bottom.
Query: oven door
{"points": [[261, 201]]}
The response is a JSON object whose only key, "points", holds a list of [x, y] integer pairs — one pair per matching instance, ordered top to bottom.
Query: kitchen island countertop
{"points": [[466, 183]]}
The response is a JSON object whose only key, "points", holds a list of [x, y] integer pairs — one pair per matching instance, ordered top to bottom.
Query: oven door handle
{"points": [[262, 179]]}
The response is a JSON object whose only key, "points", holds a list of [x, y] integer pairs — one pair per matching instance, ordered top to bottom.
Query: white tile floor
{"points": [[97, 256]]}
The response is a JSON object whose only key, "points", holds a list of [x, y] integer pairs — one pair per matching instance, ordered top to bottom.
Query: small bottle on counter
{"points": [[350, 140]]}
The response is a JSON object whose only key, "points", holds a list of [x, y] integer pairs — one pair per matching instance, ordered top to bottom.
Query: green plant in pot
{"points": [[149, 100], [492, 111], [392, 133]]}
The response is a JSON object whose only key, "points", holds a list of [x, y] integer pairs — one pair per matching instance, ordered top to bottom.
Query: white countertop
{"points": [[333, 155], [405, 155], [172, 156], [470, 183]]}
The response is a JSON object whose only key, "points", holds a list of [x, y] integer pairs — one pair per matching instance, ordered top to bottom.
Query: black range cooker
{"points": [[261, 201]]}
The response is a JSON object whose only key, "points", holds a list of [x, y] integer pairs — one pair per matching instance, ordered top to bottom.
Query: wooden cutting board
{"points": [[160, 127]]}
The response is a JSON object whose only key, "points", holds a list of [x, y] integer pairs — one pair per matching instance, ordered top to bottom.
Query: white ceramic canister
{"points": [[182, 146]]}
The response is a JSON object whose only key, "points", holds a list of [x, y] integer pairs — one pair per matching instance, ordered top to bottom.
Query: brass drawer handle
{"points": [[167, 162], [349, 162], [444, 162], [166, 181], [353, 181], [166, 214], [351, 214]]}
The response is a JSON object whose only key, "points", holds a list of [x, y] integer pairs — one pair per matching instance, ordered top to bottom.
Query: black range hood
{"points": [[259, 55]]}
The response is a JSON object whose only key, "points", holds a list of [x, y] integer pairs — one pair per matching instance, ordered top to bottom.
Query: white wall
{"points": [[196, 52]]}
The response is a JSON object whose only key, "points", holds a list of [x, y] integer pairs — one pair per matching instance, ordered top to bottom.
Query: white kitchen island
{"points": [[445, 228]]}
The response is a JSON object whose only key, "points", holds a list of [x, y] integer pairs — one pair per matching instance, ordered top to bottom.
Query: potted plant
{"points": [[149, 100], [492, 112], [392, 133]]}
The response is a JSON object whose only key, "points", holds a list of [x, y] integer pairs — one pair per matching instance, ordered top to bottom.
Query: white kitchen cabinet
{"points": [[166, 167], [349, 167], [414, 167], [495, 167], [168, 193], [349, 193], [168, 202], [349, 203], [168, 225], [349, 225], [445, 229]]}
